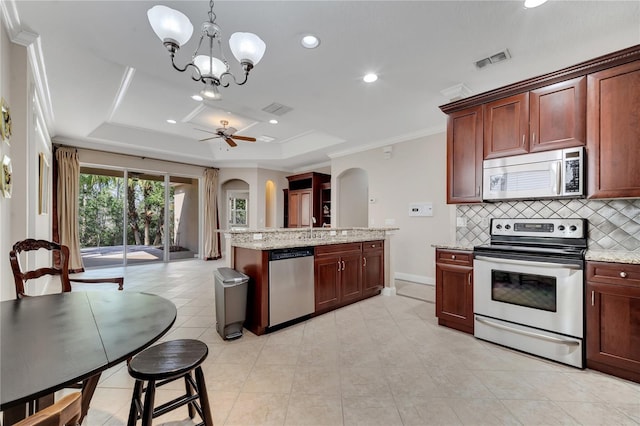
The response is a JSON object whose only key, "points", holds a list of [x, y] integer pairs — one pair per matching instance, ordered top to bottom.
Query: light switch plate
{"points": [[421, 209]]}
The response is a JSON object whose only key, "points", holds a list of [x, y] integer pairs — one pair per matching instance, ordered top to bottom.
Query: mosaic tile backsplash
{"points": [[613, 224]]}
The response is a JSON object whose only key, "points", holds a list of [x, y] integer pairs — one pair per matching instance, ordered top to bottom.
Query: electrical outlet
{"points": [[343, 232], [332, 233], [257, 236]]}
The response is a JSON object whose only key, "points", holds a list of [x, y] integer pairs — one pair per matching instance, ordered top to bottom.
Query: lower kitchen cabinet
{"points": [[372, 267], [346, 273], [338, 275], [454, 289], [613, 319]]}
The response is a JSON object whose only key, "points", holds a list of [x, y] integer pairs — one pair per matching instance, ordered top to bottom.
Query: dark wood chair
{"points": [[62, 271], [65, 412]]}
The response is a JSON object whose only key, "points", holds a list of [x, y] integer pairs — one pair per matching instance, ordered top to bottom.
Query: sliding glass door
{"points": [[133, 217], [145, 217], [101, 227]]}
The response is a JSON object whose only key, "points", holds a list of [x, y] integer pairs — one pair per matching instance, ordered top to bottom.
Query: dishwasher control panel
{"points": [[290, 253]]}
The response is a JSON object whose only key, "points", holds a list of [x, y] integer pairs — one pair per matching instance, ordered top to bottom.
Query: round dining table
{"points": [[50, 342]]}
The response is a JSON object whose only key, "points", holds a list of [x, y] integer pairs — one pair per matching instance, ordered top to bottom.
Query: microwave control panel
{"points": [[572, 181]]}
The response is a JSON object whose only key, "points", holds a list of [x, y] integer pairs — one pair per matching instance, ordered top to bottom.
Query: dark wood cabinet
{"points": [[557, 115], [506, 126], [613, 132], [464, 156], [305, 199], [300, 204], [372, 267], [338, 275], [454, 289], [613, 319]]}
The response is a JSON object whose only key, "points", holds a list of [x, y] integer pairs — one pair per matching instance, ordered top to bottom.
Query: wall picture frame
{"points": [[5, 121], [6, 181], [43, 186]]}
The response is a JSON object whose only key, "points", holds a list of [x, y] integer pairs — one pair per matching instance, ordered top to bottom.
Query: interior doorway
{"points": [[353, 198]]}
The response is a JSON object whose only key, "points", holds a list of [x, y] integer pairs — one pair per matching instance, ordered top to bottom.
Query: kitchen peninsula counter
{"points": [[362, 256], [615, 256]]}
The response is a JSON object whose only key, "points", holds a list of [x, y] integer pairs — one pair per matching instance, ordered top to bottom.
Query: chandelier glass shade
{"points": [[211, 68]]}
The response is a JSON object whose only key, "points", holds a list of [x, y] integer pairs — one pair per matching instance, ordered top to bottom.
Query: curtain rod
{"points": [[59, 145]]}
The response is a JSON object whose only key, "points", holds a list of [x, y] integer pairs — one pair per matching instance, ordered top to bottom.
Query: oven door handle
{"points": [[529, 263], [528, 333]]}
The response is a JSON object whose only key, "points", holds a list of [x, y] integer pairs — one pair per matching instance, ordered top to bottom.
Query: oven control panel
{"points": [[557, 228]]}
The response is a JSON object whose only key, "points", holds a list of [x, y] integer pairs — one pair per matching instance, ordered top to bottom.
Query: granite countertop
{"points": [[273, 245], [453, 246], [632, 257]]}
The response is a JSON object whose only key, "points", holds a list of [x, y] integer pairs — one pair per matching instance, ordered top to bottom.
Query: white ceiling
{"points": [[418, 48]]}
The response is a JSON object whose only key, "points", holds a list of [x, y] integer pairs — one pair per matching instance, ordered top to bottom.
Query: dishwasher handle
{"points": [[290, 253]]}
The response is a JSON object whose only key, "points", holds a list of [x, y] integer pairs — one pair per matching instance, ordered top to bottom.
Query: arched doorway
{"points": [[353, 198], [234, 207]]}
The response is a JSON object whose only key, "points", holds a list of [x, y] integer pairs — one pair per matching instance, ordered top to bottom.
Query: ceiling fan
{"points": [[227, 133]]}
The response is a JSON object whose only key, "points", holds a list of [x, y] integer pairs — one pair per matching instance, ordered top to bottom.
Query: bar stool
{"points": [[164, 363]]}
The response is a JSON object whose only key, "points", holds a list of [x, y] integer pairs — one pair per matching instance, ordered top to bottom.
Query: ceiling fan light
{"points": [[170, 24], [247, 47], [205, 63], [211, 92]]}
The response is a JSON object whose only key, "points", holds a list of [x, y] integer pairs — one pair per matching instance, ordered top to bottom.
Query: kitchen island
{"points": [[349, 264]]}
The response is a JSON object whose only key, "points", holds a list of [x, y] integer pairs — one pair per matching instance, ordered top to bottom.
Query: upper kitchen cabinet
{"points": [[594, 103], [557, 115], [551, 117], [506, 126], [613, 132], [464, 156], [305, 199]]}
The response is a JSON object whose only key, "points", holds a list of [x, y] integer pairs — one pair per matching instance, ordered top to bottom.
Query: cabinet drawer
{"points": [[372, 245], [338, 248], [454, 257], [613, 273]]}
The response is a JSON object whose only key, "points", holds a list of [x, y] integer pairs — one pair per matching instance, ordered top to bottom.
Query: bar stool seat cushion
{"points": [[167, 360]]}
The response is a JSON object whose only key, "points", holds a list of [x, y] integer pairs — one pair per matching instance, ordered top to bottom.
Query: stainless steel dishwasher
{"points": [[291, 288]]}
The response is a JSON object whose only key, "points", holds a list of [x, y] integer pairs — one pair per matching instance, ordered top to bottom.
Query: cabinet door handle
{"points": [[523, 136], [533, 137], [478, 190], [364, 261], [343, 265], [339, 266], [623, 274], [469, 279], [593, 298]]}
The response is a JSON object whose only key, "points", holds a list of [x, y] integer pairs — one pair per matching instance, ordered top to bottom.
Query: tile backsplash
{"points": [[613, 224]]}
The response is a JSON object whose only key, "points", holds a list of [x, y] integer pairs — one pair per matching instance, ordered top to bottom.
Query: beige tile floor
{"points": [[382, 361]]}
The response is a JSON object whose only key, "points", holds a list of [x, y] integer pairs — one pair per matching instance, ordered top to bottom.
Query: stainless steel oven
{"points": [[529, 287]]}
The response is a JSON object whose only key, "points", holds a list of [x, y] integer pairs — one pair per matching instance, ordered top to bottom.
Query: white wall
{"points": [[416, 172], [353, 198]]}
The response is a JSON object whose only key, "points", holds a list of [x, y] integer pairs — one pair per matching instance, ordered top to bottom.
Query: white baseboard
{"points": [[418, 279], [389, 291]]}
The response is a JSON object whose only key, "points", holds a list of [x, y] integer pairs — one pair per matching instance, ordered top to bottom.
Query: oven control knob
{"points": [[498, 226], [507, 226], [561, 228], [572, 228]]}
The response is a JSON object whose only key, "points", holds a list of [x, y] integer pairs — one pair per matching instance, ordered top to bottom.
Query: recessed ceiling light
{"points": [[529, 4], [310, 41], [370, 78], [197, 98], [170, 121], [272, 121]]}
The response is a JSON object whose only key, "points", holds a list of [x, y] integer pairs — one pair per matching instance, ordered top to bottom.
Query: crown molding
{"points": [[389, 141]]}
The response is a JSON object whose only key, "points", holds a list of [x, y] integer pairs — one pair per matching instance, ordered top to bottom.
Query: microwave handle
{"points": [[558, 177]]}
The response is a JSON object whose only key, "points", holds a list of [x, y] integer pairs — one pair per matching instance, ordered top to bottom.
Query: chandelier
{"points": [[175, 29]]}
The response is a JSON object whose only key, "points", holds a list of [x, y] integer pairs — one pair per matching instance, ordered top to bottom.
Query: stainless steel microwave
{"points": [[548, 174]]}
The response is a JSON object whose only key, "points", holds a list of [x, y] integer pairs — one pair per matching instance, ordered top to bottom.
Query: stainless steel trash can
{"points": [[231, 302]]}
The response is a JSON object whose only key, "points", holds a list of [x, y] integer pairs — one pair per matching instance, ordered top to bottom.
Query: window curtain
{"points": [[67, 204], [211, 222]]}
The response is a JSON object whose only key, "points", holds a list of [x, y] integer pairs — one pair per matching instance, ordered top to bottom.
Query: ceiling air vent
{"points": [[493, 59], [277, 109]]}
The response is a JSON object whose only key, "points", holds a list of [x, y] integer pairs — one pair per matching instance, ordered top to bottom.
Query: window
{"points": [[238, 206]]}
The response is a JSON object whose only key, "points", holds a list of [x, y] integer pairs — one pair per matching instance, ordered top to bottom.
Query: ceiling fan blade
{"points": [[206, 131], [244, 138], [208, 139], [230, 142]]}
